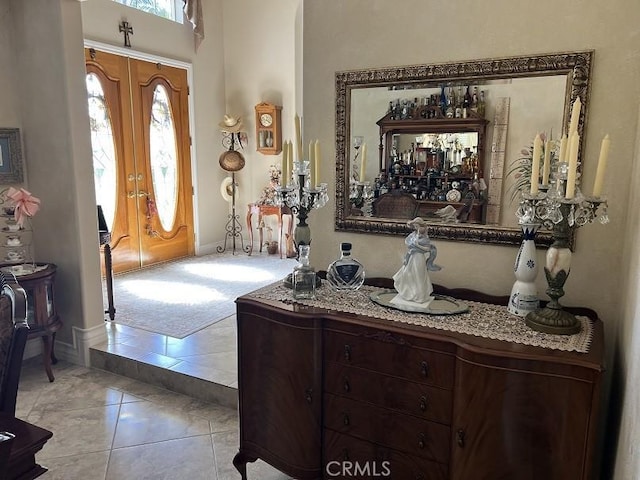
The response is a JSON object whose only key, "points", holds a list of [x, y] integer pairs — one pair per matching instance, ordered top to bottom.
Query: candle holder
{"points": [[361, 197], [301, 199], [561, 215]]}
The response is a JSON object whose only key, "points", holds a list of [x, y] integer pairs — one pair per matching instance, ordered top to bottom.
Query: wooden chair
{"points": [[395, 204], [13, 338]]}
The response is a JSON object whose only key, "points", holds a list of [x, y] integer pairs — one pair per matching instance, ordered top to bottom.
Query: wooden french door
{"points": [[141, 157]]}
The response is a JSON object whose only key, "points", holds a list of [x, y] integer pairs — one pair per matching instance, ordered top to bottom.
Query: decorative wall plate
{"points": [[454, 195], [441, 304]]}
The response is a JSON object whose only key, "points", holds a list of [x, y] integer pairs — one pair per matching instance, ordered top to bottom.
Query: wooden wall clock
{"points": [[268, 128]]}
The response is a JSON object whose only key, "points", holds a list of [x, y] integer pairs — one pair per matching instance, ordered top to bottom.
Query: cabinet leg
{"points": [[46, 355], [54, 360], [240, 462]]}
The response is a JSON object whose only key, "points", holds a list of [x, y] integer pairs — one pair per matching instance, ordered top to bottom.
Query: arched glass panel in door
{"points": [[103, 146], [163, 157]]}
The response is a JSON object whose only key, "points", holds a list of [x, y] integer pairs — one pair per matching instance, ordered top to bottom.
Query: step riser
{"points": [[161, 377]]}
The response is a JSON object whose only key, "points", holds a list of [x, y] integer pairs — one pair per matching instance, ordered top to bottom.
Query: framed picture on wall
{"points": [[10, 156]]}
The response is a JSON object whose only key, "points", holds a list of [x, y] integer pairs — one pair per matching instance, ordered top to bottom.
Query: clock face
{"points": [[266, 120]]}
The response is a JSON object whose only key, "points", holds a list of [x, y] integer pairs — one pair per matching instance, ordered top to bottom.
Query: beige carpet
{"points": [[182, 297]]}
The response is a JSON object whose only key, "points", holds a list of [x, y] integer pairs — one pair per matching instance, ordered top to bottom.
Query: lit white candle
{"points": [[575, 116], [298, 138], [563, 148], [363, 162], [535, 164], [316, 165], [602, 165], [573, 166], [546, 167]]}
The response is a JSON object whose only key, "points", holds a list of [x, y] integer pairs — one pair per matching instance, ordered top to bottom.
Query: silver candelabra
{"points": [[301, 198], [550, 208]]}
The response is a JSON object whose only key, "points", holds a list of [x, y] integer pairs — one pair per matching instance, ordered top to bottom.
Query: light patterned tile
{"points": [[146, 422], [88, 430], [187, 458], [88, 466]]}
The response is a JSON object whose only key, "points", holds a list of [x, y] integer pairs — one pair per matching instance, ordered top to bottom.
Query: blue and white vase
{"points": [[524, 294]]}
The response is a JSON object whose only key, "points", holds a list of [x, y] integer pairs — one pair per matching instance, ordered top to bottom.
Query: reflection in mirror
{"points": [[447, 136]]}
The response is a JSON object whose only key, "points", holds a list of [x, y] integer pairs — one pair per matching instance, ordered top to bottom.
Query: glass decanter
{"points": [[346, 273], [304, 276]]}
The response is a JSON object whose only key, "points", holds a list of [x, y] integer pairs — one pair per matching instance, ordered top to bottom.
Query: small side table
{"points": [[263, 210], [42, 315]]}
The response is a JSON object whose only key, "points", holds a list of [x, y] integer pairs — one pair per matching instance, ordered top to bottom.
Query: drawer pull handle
{"points": [[347, 353], [424, 369], [347, 387], [308, 395], [423, 403], [345, 419], [460, 437], [422, 440]]}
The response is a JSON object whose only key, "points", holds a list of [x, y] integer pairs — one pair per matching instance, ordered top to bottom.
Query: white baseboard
{"points": [[76, 353]]}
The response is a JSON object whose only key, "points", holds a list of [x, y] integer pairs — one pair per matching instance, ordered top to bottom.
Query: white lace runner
{"points": [[482, 320]]}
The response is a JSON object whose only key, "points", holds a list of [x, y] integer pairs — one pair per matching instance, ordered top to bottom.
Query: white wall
{"points": [[259, 51], [57, 153], [625, 413]]}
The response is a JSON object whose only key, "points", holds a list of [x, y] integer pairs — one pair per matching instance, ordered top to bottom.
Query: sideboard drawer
{"points": [[390, 353], [417, 399], [402, 432], [373, 461]]}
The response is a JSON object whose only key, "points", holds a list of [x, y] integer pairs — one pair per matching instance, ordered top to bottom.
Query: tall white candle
{"points": [[575, 116], [298, 138], [563, 148], [290, 158], [311, 162], [363, 162], [285, 164], [535, 164], [316, 165], [602, 165], [573, 166], [546, 167]]}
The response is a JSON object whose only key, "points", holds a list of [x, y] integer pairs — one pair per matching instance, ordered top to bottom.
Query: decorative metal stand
{"points": [[232, 161], [301, 199], [561, 215], [233, 227]]}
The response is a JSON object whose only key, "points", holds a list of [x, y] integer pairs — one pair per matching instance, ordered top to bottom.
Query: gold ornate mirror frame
{"points": [[575, 65]]}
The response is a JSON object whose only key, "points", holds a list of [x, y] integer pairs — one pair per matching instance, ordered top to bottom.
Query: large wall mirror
{"points": [[441, 141]]}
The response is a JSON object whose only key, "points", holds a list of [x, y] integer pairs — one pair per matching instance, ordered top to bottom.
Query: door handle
{"points": [[140, 194]]}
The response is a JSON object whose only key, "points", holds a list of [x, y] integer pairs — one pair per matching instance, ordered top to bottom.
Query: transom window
{"points": [[171, 9]]}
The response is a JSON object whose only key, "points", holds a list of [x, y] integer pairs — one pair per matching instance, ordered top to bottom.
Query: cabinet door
{"points": [[279, 388], [513, 424]]}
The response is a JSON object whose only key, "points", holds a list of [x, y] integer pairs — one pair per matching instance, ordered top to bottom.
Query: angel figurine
{"points": [[412, 281]]}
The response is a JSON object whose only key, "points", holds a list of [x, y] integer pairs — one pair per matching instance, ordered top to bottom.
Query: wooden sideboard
{"points": [[321, 391]]}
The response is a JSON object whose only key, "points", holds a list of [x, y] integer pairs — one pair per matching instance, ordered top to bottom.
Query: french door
{"points": [[141, 157]]}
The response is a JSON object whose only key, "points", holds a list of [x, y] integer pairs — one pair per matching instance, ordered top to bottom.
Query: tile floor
{"points": [[117, 422], [110, 427]]}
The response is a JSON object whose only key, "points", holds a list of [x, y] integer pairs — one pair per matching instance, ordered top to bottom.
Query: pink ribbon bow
{"points": [[25, 203]]}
